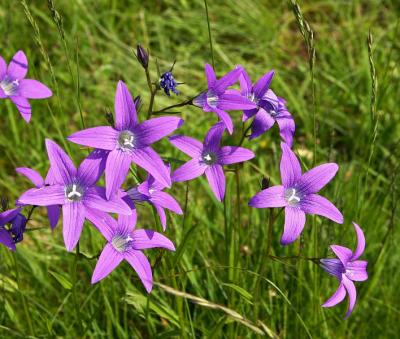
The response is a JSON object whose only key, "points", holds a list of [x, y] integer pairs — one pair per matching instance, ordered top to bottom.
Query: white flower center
{"points": [[9, 86], [212, 99], [126, 141], [209, 158], [74, 192], [292, 196], [121, 243]]}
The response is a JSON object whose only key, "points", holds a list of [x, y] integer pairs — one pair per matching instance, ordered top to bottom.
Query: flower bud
{"points": [[142, 56], [138, 102]]}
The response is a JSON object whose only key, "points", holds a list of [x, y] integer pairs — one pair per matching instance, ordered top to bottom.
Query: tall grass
{"points": [[227, 277]]}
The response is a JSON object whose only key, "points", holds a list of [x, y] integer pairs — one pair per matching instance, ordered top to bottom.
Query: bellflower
{"points": [[14, 86], [217, 99], [270, 108], [128, 142], [208, 157], [75, 190], [151, 191], [297, 194], [53, 212], [10, 236], [124, 242], [346, 269]]}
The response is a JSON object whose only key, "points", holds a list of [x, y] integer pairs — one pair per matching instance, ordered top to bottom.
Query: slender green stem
{"points": [[209, 34], [153, 92], [181, 104], [244, 135], [74, 274]]}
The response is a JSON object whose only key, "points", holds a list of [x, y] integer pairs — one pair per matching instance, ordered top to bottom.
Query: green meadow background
{"points": [[229, 276]]}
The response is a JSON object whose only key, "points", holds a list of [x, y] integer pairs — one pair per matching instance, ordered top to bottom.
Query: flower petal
{"points": [[18, 66], [3, 68], [210, 75], [227, 80], [245, 83], [262, 85], [33, 89], [235, 102], [23, 106], [125, 109], [225, 118], [262, 122], [287, 127], [152, 130], [214, 136], [102, 137], [187, 145], [232, 155], [148, 159], [61, 165], [92, 167], [290, 167], [117, 168], [188, 171], [32, 175], [216, 178], [316, 178], [44, 196], [95, 197], [270, 197], [165, 200], [316, 204], [53, 213], [7, 216], [163, 217], [73, 218], [295, 219], [104, 222], [127, 223], [6, 239], [145, 239], [360, 242], [343, 253], [108, 261], [141, 265], [357, 270], [351, 292], [336, 298]]}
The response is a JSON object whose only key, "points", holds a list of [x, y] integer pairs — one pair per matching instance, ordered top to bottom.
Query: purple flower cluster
{"points": [[76, 192]]}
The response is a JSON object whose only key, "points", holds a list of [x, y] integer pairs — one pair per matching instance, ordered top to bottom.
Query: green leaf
{"points": [[62, 279], [246, 295]]}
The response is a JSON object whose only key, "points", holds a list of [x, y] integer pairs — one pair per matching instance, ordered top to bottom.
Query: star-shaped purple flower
{"points": [[14, 86], [216, 99], [270, 108], [128, 142], [208, 157], [75, 190], [151, 191], [298, 194], [53, 212], [14, 234], [125, 242], [346, 269]]}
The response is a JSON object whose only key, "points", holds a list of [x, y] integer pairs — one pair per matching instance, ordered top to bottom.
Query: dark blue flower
{"points": [[168, 83]]}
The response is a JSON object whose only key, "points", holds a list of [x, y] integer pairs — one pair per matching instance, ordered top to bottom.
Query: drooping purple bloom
{"points": [[168, 83], [14, 86], [217, 99], [270, 108], [128, 142], [209, 158], [75, 190], [151, 191], [298, 194], [53, 212], [13, 234], [124, 242], [346, 269]]}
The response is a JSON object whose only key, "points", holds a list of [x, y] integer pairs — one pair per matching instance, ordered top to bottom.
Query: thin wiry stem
{"points": [[209, 34]]}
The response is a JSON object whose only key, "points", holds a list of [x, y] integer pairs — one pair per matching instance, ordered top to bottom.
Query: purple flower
{"points": [[168, 83], [14, 86], [216, 99], [270, 108], [128, 142], [208, 157], [75, 190], [152, 191], [298, 194], [53, 212], [10, 236], [124, 242], [346, 269]]}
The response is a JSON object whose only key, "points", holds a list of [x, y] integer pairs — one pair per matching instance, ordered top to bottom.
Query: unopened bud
{"points": [[142, 56], [264, 183]]}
